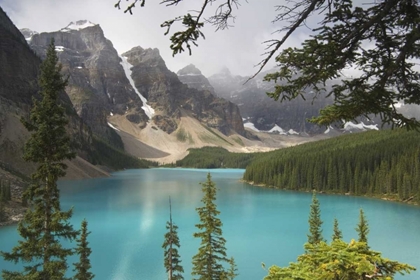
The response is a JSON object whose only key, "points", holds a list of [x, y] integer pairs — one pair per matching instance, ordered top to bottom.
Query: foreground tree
{"points": [[379, 39], [315, 222], [44, 224], [362, 228], [337, 234], [172, 260], [340, 260], [209, 262], [82, 268], [232, 272]]}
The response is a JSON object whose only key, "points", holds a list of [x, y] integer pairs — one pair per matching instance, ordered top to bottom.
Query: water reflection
{"points": [[127, 214]]}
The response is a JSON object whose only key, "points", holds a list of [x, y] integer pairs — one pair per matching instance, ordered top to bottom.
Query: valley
{"points": [[128, 139]]}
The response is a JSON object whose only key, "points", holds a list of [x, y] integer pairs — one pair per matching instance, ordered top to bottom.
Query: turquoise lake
{"points": [[127, 214]]}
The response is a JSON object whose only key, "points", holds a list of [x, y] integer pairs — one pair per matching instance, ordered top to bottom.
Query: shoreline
{"points": [[390, 198]]}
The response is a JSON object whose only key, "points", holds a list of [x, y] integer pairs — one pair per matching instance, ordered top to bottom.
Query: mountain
{"points": [[27, 33], [19, 68], [192, 77], [98, 85], [169, 97], [264, 113]]}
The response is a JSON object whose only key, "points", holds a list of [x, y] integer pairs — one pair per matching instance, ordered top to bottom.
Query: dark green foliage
{"points": [[191, 22], [388, 68], [105, 154], [215, 157], [374, 163], [5, 190], [2, 212], [315, 223], [44, 224], [362, 228], [337, 234], [171, 244], [339, 261], [208, 262], [83, 266], [233, 270]]}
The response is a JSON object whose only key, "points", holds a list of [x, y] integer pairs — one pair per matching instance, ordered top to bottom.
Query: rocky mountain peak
{"points": [[78, 25], [27, 33], [151, 57], [189, 70], [192, 77], [98, 85]]}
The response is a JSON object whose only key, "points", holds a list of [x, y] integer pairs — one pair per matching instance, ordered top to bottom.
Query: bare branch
{"points": [[304, 15]]}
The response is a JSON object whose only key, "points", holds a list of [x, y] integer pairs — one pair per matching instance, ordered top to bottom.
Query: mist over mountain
{"points": [[263, 112]]}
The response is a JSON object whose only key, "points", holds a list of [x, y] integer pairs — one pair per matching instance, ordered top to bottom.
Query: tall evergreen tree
{"points": [[315, 223], [44, 224], [362, 227], [337, 234], [172, 260], [208, 262], [82, 268]]}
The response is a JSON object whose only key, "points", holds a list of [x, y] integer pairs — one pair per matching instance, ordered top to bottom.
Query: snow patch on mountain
{"points": [[78, 25], [27, 33], [59, 48], [148, 110], [250, 125], [350, 125], [113, 127], [329, 128], [275, 129], [278, 129], [291, 131]]}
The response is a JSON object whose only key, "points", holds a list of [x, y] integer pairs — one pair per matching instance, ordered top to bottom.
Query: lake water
{"points": [[127, 214]]}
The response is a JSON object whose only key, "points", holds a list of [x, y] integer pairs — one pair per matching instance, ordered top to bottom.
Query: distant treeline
{"points": [[104, 154], [215, 157], [375, 163]]}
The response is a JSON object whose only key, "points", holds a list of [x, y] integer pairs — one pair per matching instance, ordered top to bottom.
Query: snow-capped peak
{"points": [[80, 24], [27, 33]]}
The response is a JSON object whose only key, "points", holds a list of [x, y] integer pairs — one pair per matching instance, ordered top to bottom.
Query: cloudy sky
{"points": [[238, 48]]}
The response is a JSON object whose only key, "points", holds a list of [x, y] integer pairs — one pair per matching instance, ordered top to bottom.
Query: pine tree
{"points": [[315, 223], [44, 224], [362, 227], [337, 234], [172, 259], [208, 262], [83, 266], [232, 272]]}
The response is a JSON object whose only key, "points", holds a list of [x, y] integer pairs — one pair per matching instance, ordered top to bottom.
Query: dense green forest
{"points": [[215, 157], [375, 163]]}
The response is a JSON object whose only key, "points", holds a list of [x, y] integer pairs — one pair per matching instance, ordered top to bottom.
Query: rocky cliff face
{"points": [[19, 68], [192, 77], [98, 85], [168, 95], [262, 111]]}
